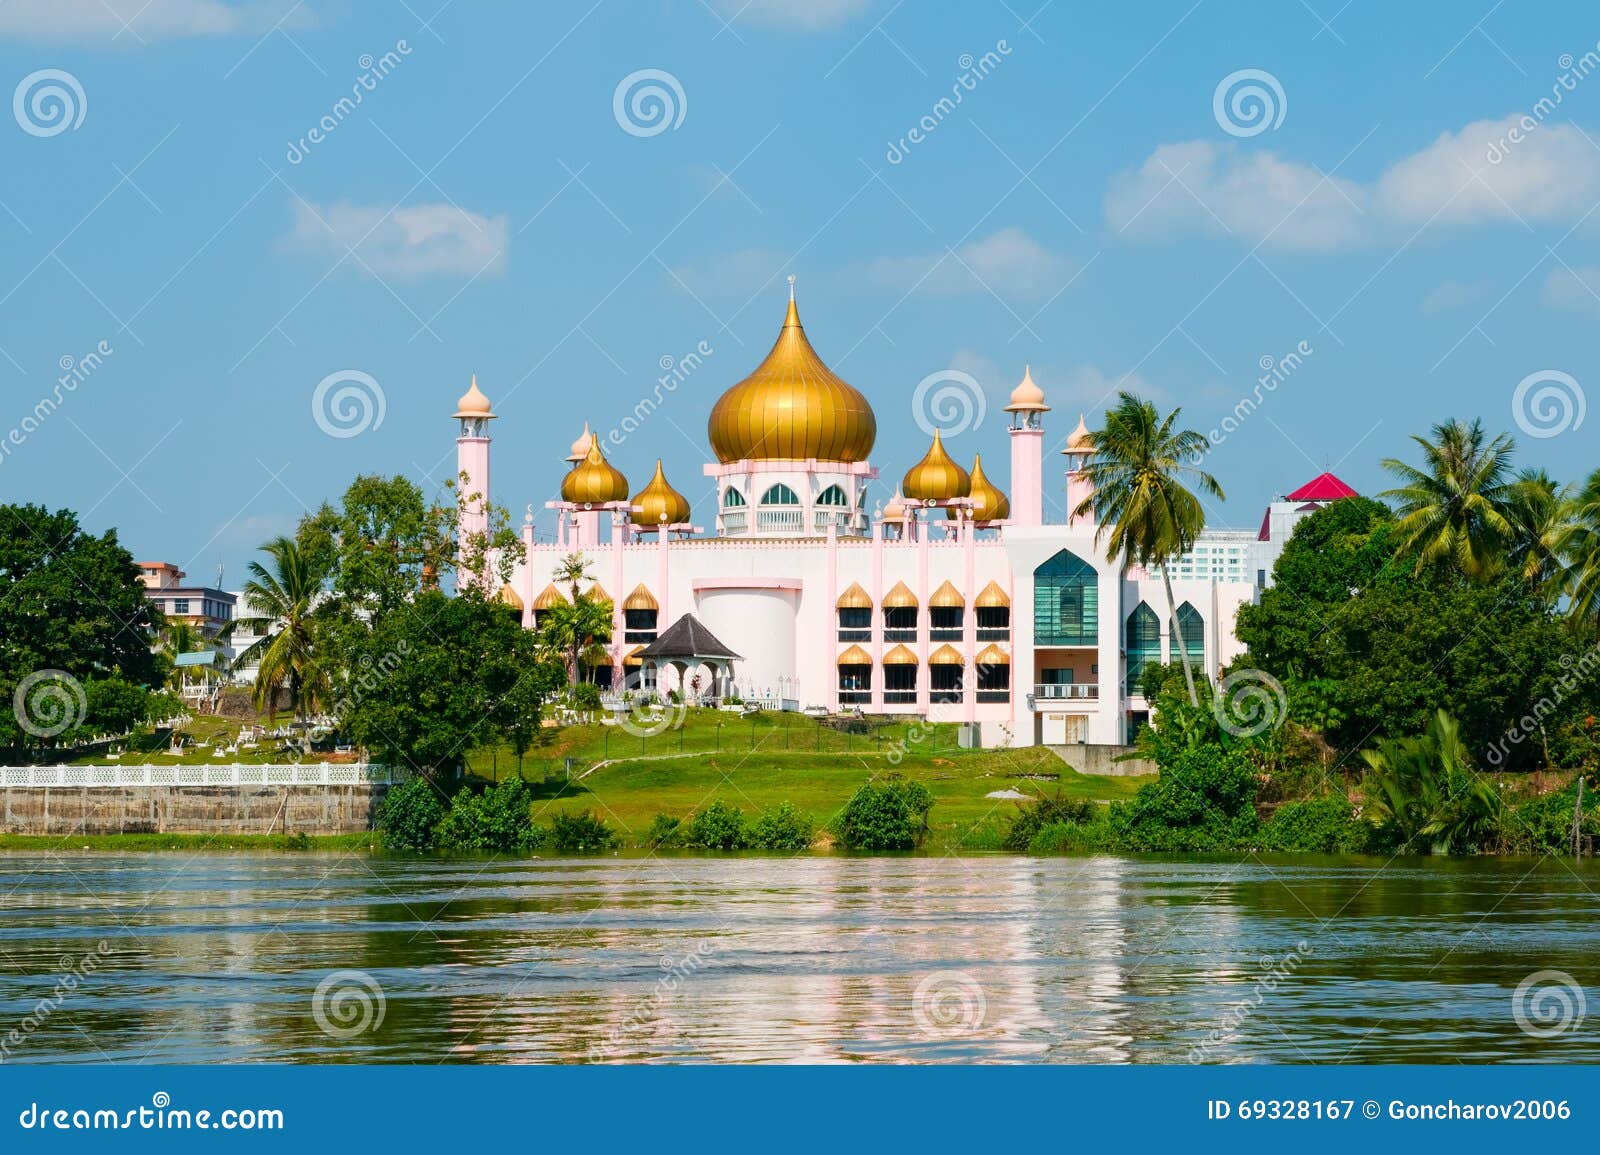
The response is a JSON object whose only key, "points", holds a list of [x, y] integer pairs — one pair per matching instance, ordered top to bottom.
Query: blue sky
{"points": [[1086, 207]]}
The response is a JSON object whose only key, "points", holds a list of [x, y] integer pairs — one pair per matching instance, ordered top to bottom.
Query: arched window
{"points": [[780, 494], [833, 495], [731, 498], [1066, 602], [1194, 636], [1143, 644]]}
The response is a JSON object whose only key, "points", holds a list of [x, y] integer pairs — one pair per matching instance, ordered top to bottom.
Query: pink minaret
{"points": [[1027, 409], [1080, 447], [472, 464]]}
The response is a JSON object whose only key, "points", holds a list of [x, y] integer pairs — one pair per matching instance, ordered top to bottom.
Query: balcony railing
{"points": [[780, 520], [733, 523], [1066, 691]]}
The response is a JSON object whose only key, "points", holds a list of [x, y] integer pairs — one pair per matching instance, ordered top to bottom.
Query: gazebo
{"points": [[687, 645]]}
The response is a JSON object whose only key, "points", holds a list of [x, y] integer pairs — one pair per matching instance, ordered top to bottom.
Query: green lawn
{"points": [[788, 758]]}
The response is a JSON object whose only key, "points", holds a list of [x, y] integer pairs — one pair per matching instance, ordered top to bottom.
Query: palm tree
{"points": [[1137, 472], [1455, 509], [1540, 514], [1580, 548], [573, 569], [284, 598], [571, 628], [181, 637], [1426, 790]]}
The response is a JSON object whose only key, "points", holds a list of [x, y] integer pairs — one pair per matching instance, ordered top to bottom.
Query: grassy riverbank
{"points": [[192, 843]]}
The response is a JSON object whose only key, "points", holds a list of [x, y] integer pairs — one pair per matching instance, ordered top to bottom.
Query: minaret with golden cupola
{"points": [[1027, 409], [474, 413], [590, 487], [1080, 489]]}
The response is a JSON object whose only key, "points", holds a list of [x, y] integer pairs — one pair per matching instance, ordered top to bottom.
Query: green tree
{"points": [[1138, 469], [1455, 509], [1540, 514], [1580, 549], [285, 600], [580, 623], [426, 687], [1425, 792]]}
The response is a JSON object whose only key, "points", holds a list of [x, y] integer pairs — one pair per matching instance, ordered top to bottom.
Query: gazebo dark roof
{"points": [[687, 638]]}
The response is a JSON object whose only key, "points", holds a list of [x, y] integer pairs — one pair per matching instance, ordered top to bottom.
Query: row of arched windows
{"points": [[781, 494]]}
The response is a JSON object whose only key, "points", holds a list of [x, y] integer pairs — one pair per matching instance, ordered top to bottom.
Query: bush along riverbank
{"points": [[1219, 792], [887, 815]]}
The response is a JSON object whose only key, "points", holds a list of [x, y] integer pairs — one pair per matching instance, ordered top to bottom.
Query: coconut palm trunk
{"points": [[1177, 633]]}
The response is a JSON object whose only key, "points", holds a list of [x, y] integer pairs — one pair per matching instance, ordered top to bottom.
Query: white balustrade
{"points": [[237, 774]]}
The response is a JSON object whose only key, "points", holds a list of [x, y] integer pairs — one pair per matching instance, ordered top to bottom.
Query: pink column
{"points": [[472, 474], [1027, 476], [1079, 490], [527, 573], [618, 595], [833, 601], [877, 618], [969, 625], [924, 675]]}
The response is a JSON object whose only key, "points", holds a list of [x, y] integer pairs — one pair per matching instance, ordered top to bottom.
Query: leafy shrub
{"points": [[586, 696], [1424, 793], [1204, 800], [409, 815], [890, 816], [1035, 816], [497, 820], [1326, 825], [1544, 825], [718, 827], [781, 828], [665, 831], [580, 834], [1072, 838]]}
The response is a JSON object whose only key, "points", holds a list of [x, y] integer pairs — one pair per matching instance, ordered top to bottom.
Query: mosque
{"points": [[956, 600]]}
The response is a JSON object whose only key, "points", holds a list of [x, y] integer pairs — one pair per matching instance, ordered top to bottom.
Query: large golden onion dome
{"points": [[792, 408], [936, 477], [594, 480], [989, 503], [659, 504]]}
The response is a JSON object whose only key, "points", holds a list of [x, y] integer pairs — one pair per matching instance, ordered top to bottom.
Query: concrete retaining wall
{"points": [[1102, 760], [190, 809]]}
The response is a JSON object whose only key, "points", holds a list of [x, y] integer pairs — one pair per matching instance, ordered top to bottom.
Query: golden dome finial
{"points": [[791, 286], [1027, 397], [473, 403], [792, 408], [1080, 440], [580, 447], [936, 477], [594, 481], [989, 502], [659, 504]]}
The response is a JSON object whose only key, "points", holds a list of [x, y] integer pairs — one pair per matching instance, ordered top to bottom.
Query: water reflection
{"points": [[215, 959]]}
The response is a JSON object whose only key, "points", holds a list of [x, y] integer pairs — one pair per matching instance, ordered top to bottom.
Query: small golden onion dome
{"points": [[1027, 397], [473, 403], [792, 408], [1081, 440], [580, 447], [936, 477], [594, 481], [988, 501], [659, 504], [896, 509], [597, 593], [508, 596], [899, 597], [946, 597], [992, 597], [549, 598], [854, 598], [641, 599], [946, 655], [992, 655], [855, 656], [900, 656], [633, 658]]}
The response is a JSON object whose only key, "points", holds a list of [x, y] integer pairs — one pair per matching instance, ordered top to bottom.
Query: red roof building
{"points": [[1323, 487]]}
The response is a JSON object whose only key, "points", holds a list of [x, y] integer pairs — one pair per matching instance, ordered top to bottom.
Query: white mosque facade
{"points": [[956, 601]]}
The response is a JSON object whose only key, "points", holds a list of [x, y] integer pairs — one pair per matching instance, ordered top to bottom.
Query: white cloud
{"points": [[808, 16], [100, 23], [1551, 175], [414, 241], [1009, 263], [740, 273], [1574, 289], [1453, 295]]}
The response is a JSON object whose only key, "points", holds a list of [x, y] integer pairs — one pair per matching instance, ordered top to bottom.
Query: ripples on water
{"points": [[215, 959]]}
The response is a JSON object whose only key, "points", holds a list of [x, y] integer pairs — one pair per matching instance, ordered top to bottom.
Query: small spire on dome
{"points": [[791, 286], [473, 403]]}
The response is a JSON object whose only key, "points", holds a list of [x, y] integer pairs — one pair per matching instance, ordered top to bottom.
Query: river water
{"points": [[306, 958]]}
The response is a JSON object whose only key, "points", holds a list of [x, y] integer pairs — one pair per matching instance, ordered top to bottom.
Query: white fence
{"points": [[236, 774]]}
